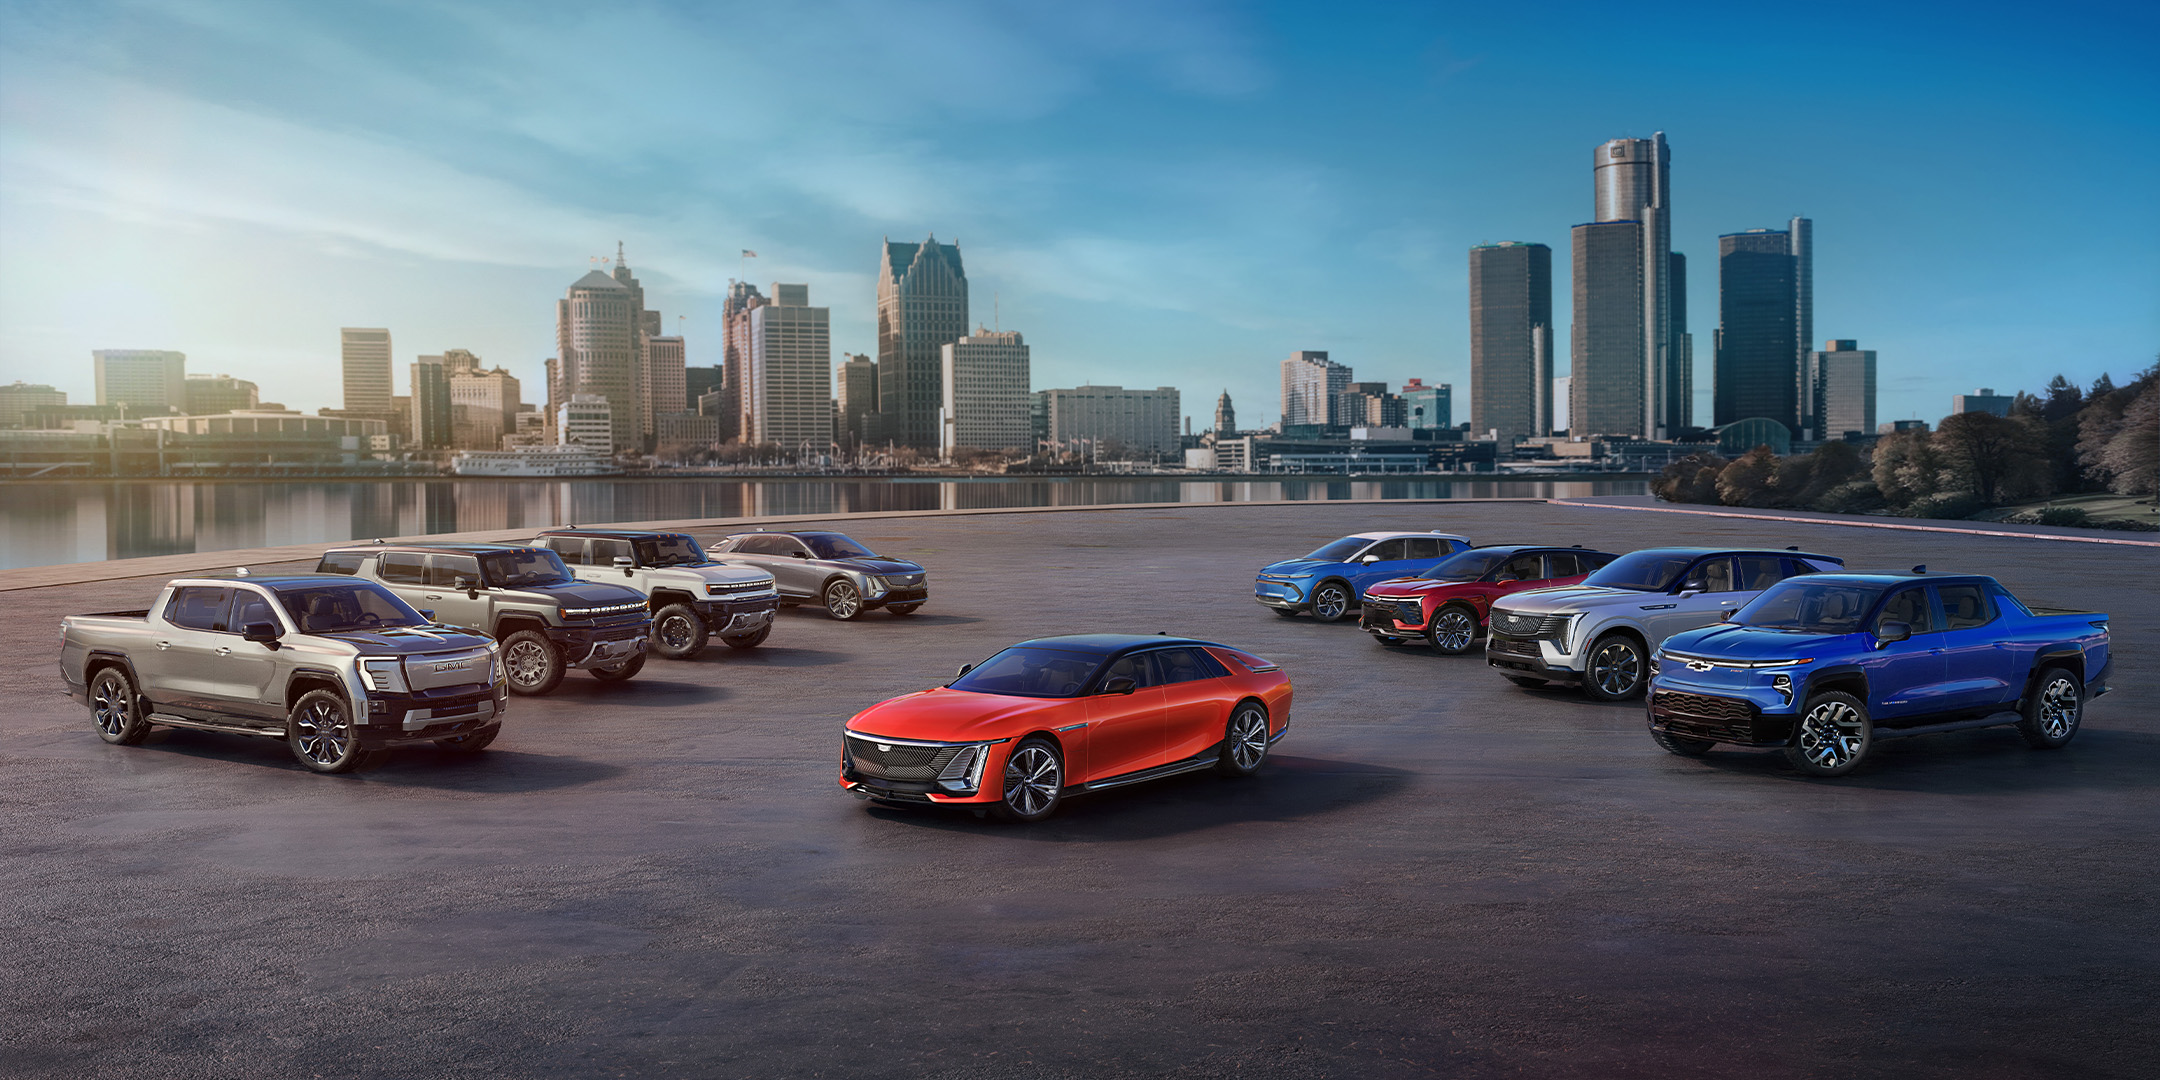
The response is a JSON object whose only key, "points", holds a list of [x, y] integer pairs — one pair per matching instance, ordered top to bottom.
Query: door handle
{"points": [[434, 596], [164, 645], [224, 650]]}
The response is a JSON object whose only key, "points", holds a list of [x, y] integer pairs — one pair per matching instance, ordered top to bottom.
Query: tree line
{"points": [[2063, 441]]}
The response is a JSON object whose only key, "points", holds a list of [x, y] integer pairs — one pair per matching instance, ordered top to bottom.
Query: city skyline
{"points": [[174, 162]]}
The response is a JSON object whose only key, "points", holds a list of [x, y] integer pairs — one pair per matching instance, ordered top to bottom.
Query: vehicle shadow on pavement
{"points": [[879, 617], [768, 656], [640, 692], [1984, 761], [406, 766], [1286, 789]]}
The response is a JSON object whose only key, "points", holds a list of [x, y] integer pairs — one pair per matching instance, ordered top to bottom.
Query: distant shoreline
{"points": [[1201, 478]]}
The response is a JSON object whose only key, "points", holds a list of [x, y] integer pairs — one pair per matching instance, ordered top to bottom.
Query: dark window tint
{"points": [[766, 545], [835, 546], [1420, 547], [570, 548], [1385, 550], [605, 552], [340, 562], [1562, 564], [1824, 566], [403, 568], [1521, 568], [524, 569], [445, 570], [1648, 571], [1759, 571], [1710, 575], [2003, 599], [1909, 606], [1964, 607], [198, 608], [248, 608], [330, 609], [1186, 665], [1138, 667], [1030, 672]]}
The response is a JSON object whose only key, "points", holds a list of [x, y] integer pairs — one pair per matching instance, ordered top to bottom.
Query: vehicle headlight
{"points": [[1566, 632], [1657, 663], [383, 675], [1783, 685], [964, 772]]}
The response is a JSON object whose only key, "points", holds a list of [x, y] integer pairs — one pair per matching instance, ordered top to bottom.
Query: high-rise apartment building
{"points": [[1765, 297], [742, 298], [922, 307], [600, 331], [1511, 339], [365, 353], [1632, 361], [790, 372], [666, 379], [985, 379], [149, 380], [1312, 388], [1841, 390], [213, 395], [483, 403], [855, 405], [1428, 406], [1225, 417], [432, 418], [585, 420], [1098, 420]]}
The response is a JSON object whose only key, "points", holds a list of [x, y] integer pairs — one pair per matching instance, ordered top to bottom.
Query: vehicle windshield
{"points": [[835, 546], [670, 549], [1340, 550], [1468, 566], [524, 569], [1643, 571], [341, 607], [1814, 607], [1030, 672]]}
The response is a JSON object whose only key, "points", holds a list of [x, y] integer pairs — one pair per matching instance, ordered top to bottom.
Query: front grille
{"points": [[904, 579], [719, 588], [901, 596], [605, 611], [1384, 614], [1516, 624], [1518, 647], [1704, 706], [899, 761]]}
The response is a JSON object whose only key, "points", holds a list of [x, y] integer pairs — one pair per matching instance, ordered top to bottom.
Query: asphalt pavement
{"points": [[1437, 873]]}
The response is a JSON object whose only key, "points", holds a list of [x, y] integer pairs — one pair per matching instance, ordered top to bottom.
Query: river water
{"points": [[46, 523]]}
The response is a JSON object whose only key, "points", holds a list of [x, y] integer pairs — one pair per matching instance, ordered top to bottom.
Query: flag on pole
{"points": [[749, 254]]}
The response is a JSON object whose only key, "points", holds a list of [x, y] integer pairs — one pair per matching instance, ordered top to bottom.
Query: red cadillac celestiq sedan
{"points": [[1059, 716]]}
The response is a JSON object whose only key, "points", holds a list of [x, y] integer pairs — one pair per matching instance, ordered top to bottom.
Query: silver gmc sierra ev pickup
{"points": [[338, 668]]}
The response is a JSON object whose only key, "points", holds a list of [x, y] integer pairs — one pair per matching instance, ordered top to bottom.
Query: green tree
{"points": [[1997, 458], [1906, 467]]}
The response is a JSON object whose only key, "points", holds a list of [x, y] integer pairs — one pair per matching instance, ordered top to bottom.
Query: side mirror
{"points": [[800, 554], [1370, 559], [625, 564], [470, 587], [1685, 593], [428, 614], [1727, 614], [1891, 631], [266, 633], [964, 669], [1120, 685]]}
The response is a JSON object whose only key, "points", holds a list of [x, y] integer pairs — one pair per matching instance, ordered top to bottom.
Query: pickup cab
{"points": [[692, 596], [524, 597], [1825, 666], [339, 669]]}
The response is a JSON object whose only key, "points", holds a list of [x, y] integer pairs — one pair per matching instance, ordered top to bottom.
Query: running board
{"points": [[170, 720], [1991, 720], [1194, 764]]}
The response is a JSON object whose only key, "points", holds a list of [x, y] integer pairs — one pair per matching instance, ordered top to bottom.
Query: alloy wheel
{"points": [[842, 600], [1330, 602], [1452, 631], [675, 632], [527, 662], [1617, 668], [112, 704], [2059, 707], [325, 734], [1830, 734], [1248, 738], [1031, 780]]}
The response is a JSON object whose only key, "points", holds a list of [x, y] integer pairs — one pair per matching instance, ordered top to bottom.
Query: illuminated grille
{"points": [[721, 588], [899, 761]]}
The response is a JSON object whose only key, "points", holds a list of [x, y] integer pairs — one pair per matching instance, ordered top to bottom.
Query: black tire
{"points": [[843, 601], [1332, 601], [906, 609], [1454, 630], [678, 633], [751, 640], [534, 664], [1615, 669], [621, 672], [1527, 682], [116, 708], [2053, 710], [320, 731], [1833, 735], [1245, 740], [470, 743], [1685, 747], [1033, 781]]}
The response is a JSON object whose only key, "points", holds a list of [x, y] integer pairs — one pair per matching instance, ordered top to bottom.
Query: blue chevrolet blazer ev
{"points": [[1331, 581]]}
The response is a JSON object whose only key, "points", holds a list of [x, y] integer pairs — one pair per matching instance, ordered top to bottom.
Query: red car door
{"points": [[1196, 710], [1125, 731]]}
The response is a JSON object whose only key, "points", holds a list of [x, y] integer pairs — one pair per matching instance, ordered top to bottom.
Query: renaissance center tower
{"points": [[1629, 348]]}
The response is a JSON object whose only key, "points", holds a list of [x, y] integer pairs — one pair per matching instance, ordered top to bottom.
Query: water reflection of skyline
{"points": [[47, 523]]}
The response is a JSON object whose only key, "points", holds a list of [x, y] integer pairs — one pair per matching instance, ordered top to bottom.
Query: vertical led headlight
{"points": [[964, 771]]}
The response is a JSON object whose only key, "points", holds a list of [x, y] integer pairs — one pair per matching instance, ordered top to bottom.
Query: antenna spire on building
{"points": [[618, 253]]}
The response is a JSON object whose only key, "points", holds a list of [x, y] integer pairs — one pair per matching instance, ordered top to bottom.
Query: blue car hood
{"points": [[1299, 566], [1727, 642]]}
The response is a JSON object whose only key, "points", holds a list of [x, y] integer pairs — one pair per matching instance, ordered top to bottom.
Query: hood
{"points": [[876, 565], [1298, 566], [715, 573], [1411, 586], [580, 594], [1573, 598], [414, 639], [1727, 642], [944, 715]]}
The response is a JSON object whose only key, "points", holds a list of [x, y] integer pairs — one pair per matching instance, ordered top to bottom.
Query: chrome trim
{"points": [[1705, 663], [1072, 727], [881, 740]]}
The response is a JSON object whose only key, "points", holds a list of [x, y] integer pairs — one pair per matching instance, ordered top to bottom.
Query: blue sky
{"points": [[1154, 193]]}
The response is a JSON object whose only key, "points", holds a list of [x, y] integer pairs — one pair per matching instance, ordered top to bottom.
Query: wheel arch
{"points": [[1334, 579], [661, 598], [512, 622], [2067, 657], [104, 658], [1848, 678], [307, 680]]}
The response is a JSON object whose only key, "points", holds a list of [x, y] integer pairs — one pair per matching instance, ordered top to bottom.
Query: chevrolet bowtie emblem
{"points": [[1700, 665]]}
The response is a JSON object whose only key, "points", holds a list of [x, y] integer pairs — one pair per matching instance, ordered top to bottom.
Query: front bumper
{"points": [[909, 594], [1281, 594], [725, 616], [1402, 617], [600, 646], [1536, 658], [1728, 715], [396, 719]]}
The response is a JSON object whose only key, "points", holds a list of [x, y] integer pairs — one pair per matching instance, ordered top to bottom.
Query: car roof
{"points": [[610, 534], [1393, 535], [438, 549], [1532, 549], [1695, 551], [1893, 577], [295, 578], [1111, 644]]}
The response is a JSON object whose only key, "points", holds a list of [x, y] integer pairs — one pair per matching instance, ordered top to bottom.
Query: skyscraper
{"points": [[1764, 300], [922, 307], [735, 311], [1511, 339], [600, 342], [1630, 353], [366, 355], [790, 372], [149, 380], [856, 381], [985, 382], [666, 384], [1312, 388], [1841, 390], [483, 403], [1428, 406], [431, 412], [1225, 417], [1098, 420]]}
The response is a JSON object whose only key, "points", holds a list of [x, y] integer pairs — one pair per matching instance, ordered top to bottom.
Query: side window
{"points": [[757, 545], [1423, 547], [571, 548], [1387, 550], [605, 552], [1593, 561], [340, 562], [1823, 566], [1797, 567], [402, 568], [1522, 568], [444, 570], [1758, 572], [1710, 575], [1909, 606], [198, 607], [250, 607], [1964, 607], [1186, 665], [1138, 667]]}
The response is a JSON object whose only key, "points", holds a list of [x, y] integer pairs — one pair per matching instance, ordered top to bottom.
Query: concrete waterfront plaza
{"points": [[1436, 874]]}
